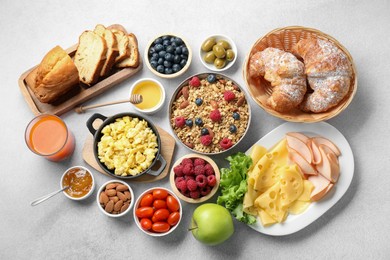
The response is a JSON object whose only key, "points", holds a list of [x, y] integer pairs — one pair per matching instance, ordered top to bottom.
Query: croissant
{"points": [[328, 71], [286, 75]]}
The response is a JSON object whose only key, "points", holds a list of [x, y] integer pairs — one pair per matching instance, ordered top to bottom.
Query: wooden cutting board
{"points": [[167, 150]]}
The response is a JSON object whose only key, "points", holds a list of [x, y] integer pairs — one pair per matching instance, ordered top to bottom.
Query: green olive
{"points": [[208, 44], [224, 44], [219, 51], [230, 55], [209, 57], [219, 63]]}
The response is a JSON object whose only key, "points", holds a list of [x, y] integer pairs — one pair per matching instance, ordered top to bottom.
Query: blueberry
{"points": [[166, 37], [158, 41], [178, 41], [166, 42], [174, 45], [159, 47], [169, 49], [152, 50], [178, 50], [184, 50], [162, 54], [154, 56], [168, 56], [183, 56], [176, 59], [160, 61], [183, 62], [154, 64], [167, 64], [160, 68], [176, 68], [168, 71], [211, 78], [198, 101], [236, 116], [198, 121], [189, 122], [232, 129], [204, 131]]}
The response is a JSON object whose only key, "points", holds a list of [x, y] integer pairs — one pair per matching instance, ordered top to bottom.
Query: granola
{"points": [[210, 114]]}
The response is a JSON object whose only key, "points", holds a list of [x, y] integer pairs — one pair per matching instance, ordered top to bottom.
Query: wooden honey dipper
{"points": [[134, 99]]}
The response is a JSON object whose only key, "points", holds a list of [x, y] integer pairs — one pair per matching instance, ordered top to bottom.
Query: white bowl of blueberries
{"points": [[168, 56]]}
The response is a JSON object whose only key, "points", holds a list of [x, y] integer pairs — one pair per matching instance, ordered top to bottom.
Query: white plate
{"points": [[295, 223]]}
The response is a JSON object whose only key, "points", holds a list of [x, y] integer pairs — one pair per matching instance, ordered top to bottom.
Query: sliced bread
{"points": [[123, 45], [112, 48], [90, 57], [133, 60]]}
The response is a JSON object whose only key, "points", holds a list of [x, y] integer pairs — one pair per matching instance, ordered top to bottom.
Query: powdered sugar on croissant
{"points": [[328, 71], [286, 75]]}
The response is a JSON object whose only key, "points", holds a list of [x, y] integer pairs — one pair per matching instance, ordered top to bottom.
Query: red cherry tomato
{"points": [[160, 194], [146, 200], [172, 203], [159, 204], [144, 212], [160, 215], [173, 218], [146, 223], [160, 227]]}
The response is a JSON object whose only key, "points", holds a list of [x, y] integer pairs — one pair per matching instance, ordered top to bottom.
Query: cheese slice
{"points": [[291, 184], [308, 187], [249, 198], [270, 202], [297, 207], [266, 219]]}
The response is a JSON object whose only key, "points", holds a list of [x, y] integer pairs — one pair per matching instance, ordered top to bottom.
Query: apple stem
{"points": [[192, 228]]}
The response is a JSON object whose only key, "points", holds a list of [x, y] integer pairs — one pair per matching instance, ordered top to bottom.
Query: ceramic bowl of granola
{"points": [[209, 113]]}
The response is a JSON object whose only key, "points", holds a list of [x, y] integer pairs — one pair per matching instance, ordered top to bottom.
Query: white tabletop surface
{"points": [[357, 227]]}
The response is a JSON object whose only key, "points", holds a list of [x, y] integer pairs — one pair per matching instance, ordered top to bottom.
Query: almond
{"points": [[222, 81], [235, 87], [186, 92], [179, 94], [240, 101], [184, 104], [214, 104], [211, 133], [190, 145], [111, 186], [121, 187], [110, 192], [128, 195], [121, 196], [103, 199], [114, 199], [118, 205], [124, 206], [109, 207]]}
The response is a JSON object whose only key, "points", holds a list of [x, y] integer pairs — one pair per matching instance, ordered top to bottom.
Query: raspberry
{"points": [[195, 82], [229, 95], [215, 115], [180, 121], [206, 140], [226, 143], [186, 161], [199, 161], [188, 169], [209, 169], [178, 170], [199, 170], [189, 177], [179, 179], [211, 180], [201, 181], [191, 185], [182, 186], [205, 190], [186, 193], [195, 194]]}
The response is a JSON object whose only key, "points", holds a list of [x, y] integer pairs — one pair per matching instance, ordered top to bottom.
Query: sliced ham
{"points": [[300, 136], [323, 141], [299, 146], [315, 152], [304, 166], [329, 167], [321, 185]]}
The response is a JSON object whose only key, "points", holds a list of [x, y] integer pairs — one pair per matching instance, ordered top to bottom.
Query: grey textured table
{"points": [[357, 227]]}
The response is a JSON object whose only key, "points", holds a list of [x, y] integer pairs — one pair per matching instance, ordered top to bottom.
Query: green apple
{"points": [[211, 224]]}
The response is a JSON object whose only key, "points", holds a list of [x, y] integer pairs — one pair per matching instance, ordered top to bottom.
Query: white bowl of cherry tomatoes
{"points": [[157, 212]]}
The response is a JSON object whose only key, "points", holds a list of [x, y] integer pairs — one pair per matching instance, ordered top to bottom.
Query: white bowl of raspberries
{"points": [[194, 178]]}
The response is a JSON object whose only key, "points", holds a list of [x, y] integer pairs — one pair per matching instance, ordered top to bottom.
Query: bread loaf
{"points": [[123, 45], [112, 48], [90, 57], [133, 60], [54, 76]]}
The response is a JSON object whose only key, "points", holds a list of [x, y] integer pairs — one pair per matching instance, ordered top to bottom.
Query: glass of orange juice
{"points": [[48, 136]]}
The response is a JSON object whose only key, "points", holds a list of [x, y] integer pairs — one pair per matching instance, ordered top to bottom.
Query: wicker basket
{"points": [[284, 39]]}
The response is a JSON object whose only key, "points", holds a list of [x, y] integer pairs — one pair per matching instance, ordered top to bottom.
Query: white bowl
{"points": [[229, 63], [159, 105], [86, 195], [124, 212], [153, 234]]}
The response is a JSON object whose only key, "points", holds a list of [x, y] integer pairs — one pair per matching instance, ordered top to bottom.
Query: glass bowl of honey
{"points": [[153, 95], [80, 182]]}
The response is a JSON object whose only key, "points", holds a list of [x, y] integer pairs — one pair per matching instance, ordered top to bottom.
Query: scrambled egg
{"points": [[128, 145]]}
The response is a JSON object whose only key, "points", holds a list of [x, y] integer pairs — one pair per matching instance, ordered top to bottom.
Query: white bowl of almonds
{"points": [[115, 198]]}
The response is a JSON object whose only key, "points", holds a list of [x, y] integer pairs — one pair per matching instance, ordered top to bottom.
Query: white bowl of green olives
{"points": [[218, 52], [168, 55]]}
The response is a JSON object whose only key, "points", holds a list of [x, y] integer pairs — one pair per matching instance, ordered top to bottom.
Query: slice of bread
{"points": [[123, 45], [112, 48], [90, 57], [133, 60]]}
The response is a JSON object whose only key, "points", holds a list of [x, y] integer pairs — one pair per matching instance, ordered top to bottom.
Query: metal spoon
{"points": [[48, 196]]}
